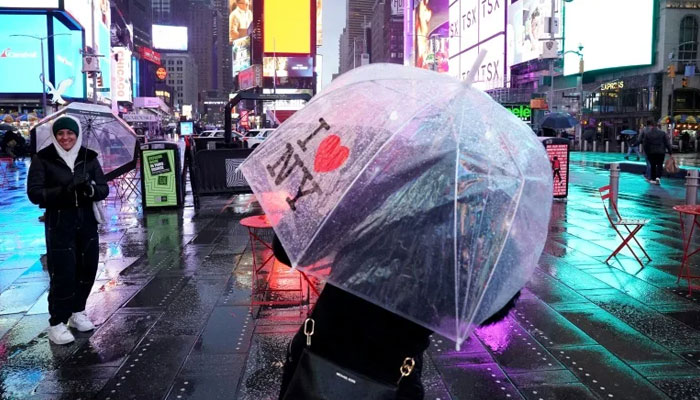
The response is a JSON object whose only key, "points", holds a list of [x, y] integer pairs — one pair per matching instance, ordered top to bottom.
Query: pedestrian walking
{"points": [[655, 144], [633, 146], [66, 179], [363, 338]]}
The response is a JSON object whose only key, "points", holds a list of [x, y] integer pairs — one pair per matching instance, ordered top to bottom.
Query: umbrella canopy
{"points": [[558, 120], [629, 132], [112, 138], [411, 190]]}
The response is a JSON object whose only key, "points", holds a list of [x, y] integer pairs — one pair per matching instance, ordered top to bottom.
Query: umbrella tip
{"points": [[475, 68]]}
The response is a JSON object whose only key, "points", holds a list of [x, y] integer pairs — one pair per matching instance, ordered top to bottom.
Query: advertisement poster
{"points": [[239, 18], [287, 27], [431, 35], [240, 54], [292, 67], [121, 74], [558, 154], [159, 178]]}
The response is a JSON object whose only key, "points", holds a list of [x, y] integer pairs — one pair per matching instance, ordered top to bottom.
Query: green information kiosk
{"points": [[161, 175]]}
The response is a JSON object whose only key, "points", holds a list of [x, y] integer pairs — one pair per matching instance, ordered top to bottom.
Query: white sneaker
{"points": [[658, 181], [81, 322], [59, 334]]}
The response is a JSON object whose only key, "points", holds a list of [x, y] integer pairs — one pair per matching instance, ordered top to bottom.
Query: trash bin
{"points": [[558, 154], [161, 175]]}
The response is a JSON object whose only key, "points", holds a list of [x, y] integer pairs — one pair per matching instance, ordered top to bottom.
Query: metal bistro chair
{"points": [[632, 226]]}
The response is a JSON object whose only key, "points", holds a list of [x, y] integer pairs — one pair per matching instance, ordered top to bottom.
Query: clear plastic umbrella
{"points": [[111, 137], [411, 190]]}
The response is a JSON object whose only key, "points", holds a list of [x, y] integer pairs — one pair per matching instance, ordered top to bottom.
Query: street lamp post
{"points": [[579, 53], [43, 72]]}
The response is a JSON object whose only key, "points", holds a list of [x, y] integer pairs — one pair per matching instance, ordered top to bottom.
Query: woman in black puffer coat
{"points": [[65, 179]]}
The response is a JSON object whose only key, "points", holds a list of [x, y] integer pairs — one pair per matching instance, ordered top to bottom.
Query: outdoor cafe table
{"points": [[694, 210]]}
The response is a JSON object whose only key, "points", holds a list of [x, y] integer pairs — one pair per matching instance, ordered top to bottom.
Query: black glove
{"points": [[78, 181]]}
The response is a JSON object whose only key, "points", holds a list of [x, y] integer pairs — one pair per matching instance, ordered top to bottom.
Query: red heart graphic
{"points": [[330, 154]]}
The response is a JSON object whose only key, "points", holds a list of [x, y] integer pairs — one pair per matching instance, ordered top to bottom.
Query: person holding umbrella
{"points": [[633, 143], [66, 179]]}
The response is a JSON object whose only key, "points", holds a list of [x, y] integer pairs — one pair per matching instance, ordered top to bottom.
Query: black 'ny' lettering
{"points": [[324, 125], [284, 160], [301, 192]]}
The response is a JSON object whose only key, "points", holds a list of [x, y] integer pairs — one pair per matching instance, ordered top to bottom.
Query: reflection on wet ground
{"points": [[173, 293]]}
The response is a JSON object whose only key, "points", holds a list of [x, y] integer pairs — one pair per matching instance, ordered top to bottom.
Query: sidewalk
{"points": [[173, 288]]}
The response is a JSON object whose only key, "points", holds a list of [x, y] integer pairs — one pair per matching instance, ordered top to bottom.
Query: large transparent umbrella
{"points": [[112, 138], [411, 190]]}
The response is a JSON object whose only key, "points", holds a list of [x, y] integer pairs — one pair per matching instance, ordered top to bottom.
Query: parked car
{"points": [[219, 133], [255, 137]]}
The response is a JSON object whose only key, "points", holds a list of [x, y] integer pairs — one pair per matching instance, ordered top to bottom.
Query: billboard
{"points": [[29, 3], [80, 11], [240, 16], [319, 22], [477, 25], [527, 25], [287, 27], [431, 33], [168, 37], [627, 39], [67, 44], [240, 54], [20, 57], [291, 67], [121, 74]]}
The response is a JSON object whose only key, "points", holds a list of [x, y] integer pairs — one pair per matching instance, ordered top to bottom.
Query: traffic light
{"points": [[671, 70], [99, 80], [684, 82]]}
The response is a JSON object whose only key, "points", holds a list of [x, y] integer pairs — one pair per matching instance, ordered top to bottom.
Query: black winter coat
{"points": [[49, 178]]}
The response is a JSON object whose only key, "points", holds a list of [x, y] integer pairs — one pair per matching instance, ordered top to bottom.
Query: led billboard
{"points": [[29, 3], [80, 11], [240, 16], [477, 25], [527, 25], [287, 27], [431, 32], [168, 37], [627, 39], [67, 44], [240, 54], [20, 57], [291, 67]]}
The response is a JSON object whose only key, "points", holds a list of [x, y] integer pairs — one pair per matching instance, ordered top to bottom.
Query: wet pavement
{"points": [[172, 305]]}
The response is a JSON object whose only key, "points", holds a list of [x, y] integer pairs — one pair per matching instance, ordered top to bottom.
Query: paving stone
{"points": [[158, 292], [547, 326], [228, 330], [484, 381], [680, 388], [553, 391]]}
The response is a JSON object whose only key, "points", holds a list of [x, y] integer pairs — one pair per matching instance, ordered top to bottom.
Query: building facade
{"points": [[387, 32], [355, 39], [182, 78]]}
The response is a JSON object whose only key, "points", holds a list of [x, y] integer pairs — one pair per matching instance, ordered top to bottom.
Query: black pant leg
{"points": [[656, 161], [88, 255], [61, 262]]}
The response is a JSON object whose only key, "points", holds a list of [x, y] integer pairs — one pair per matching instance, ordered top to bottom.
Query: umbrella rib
{"points": [[510, 227], [454, 238]]}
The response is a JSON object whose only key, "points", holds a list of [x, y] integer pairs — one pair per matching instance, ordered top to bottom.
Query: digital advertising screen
{"points": [[240, 16], [477, 25], [527, 25], [287, 27], [431, 33], [168, 37], [627, 39], [67, 44], [240, 54], [20, 57], [291, 67], [186, 128], [558, 154]]}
